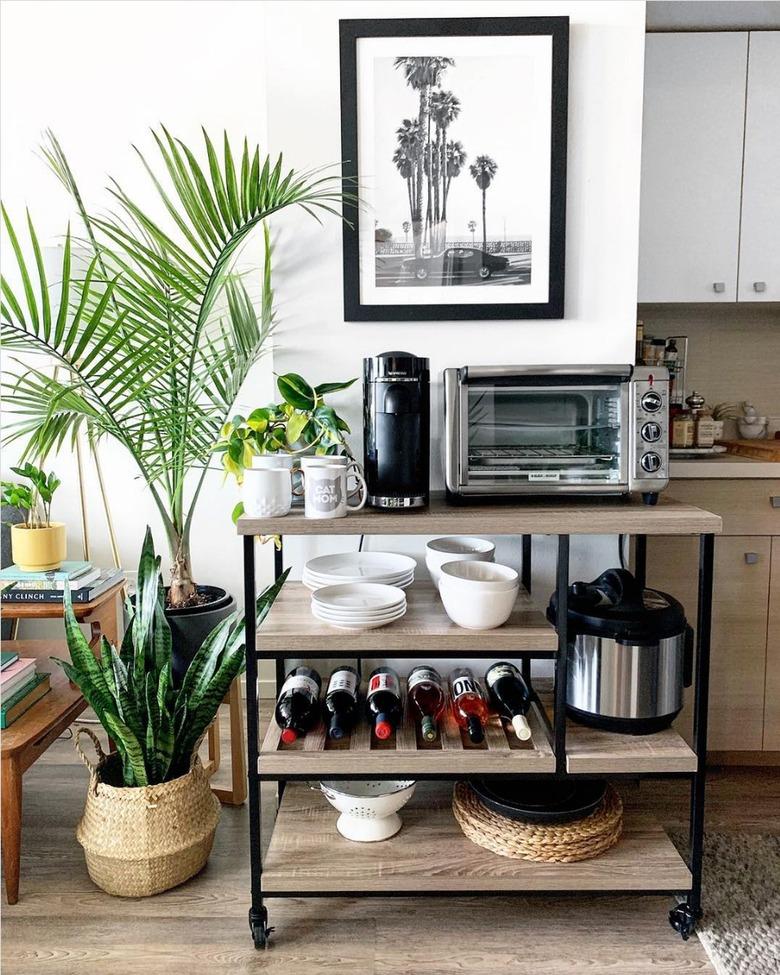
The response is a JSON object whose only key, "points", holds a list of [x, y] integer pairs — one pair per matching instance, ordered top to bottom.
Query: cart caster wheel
{"points": [[683, 919], [258, 923]]}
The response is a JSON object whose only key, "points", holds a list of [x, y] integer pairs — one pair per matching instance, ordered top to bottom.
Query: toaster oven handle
{"points": [[688, 656]]}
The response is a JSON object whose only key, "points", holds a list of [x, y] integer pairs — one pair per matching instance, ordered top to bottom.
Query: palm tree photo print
{"points": [[453, 193]]}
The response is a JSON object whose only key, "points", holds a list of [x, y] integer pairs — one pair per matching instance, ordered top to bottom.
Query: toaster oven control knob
{"points": [[652, 401], [651, 432], [651, 462]]}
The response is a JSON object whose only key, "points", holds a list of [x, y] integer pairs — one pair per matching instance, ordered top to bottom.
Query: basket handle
{"points": [[98, 748]]}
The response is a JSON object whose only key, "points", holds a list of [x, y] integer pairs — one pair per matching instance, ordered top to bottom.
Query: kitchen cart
{"points": [[430, 856]]}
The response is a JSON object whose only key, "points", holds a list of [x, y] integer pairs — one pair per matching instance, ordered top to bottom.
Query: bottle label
{"points": [[498, 671], [423, 675], [343, 680], [383, 682], [302, 685], [464, 685]]}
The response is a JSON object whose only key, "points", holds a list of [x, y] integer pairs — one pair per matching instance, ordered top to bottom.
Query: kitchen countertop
{"points": [[724, 466]]}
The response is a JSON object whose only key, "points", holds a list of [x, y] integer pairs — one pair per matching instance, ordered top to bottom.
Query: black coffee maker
{"points": [[396, 430]]}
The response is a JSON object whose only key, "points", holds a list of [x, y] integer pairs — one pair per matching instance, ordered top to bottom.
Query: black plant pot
{"points": [[190, 625]]}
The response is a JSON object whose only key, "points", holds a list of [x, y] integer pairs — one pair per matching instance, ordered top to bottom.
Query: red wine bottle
{"points": [[426, 696], [510, 696], [383, 701], [340, 706], [296, 707], [469, 707]]}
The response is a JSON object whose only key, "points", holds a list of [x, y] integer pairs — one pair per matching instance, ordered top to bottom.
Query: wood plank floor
{"points": [[63, 925]]}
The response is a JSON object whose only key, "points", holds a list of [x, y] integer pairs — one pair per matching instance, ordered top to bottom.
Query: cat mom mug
{"points": [[325, 491]]}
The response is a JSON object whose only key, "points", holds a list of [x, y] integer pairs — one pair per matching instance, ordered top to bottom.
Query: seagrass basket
{"points": [[141, 841]]}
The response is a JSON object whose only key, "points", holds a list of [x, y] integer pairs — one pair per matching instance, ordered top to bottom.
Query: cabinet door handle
{"points": [[759, 286], [719, 287], [751, 558]]}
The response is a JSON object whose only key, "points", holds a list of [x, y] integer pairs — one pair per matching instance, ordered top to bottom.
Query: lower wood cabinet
{"points": [[744, 715]]}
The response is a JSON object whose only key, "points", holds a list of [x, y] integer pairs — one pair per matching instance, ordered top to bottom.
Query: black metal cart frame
{"points": [[682, 917]]}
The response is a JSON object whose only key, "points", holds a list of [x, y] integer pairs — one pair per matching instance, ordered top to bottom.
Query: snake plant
{"points": [[157, 727]]}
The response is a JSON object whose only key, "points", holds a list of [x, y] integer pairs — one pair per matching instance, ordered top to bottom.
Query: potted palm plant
{"points": [[155, 339], [38, 544], [150, 816]]}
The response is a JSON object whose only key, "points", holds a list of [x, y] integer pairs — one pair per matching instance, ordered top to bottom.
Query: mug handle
{"points": [[354, 470], [300, 489], [363, 490]]}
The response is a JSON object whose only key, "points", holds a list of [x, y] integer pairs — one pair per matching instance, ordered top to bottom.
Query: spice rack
{"points": [[430, 856]]}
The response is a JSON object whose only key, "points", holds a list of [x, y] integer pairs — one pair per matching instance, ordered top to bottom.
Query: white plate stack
{"points": [[384, 568], [358, 605]]}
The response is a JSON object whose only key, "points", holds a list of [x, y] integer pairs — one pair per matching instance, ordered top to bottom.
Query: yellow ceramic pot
{"points": [[39, 549]]}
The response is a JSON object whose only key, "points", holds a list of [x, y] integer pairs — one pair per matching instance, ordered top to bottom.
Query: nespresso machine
{"points": [[396, 430]]}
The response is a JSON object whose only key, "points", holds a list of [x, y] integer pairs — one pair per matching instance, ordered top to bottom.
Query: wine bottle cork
{"points": [[521, 726]]}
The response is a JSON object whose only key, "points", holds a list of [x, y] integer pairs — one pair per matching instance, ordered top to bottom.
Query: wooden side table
{"points": [[102, 614], [26, 740]]}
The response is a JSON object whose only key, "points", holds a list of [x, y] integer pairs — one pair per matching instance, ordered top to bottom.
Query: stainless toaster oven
{"points": [[535, 430]]}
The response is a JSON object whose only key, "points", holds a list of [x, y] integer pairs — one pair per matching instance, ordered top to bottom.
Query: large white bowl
{"points": [[456, 548], [483, 576], [476, 608], [368, 807]]}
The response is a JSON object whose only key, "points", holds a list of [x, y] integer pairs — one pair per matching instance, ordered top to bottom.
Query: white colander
{"points": [[368, 807]]}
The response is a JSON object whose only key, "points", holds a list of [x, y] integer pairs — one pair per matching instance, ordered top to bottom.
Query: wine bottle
{"points": [[426, 695], [510, 696], [383, 701], [340, 705], [296, 707], [469, 707]]}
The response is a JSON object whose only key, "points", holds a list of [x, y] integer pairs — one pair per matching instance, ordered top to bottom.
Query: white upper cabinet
{"points": [[694, 114], [759, 249]]}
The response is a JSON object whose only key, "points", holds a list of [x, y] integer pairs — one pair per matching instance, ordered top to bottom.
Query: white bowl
{"points": [[456, 548], [486, 576], [476, 608], [368, 807]]}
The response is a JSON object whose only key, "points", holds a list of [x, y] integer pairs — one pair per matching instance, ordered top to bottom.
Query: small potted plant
{"points": [[303, 423], [38, 544], [150, 815]]}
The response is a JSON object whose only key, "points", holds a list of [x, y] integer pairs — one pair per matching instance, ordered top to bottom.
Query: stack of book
{"points": [[86, 583], [20, 686]]}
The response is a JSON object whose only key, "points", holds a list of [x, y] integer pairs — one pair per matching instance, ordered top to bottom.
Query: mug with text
{"points": [[325, 491]]}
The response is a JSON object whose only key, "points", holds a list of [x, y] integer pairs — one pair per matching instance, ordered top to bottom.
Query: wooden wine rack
{"points": [[406, 752]]}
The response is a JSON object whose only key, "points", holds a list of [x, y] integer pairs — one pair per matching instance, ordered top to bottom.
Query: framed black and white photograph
{"points": [[454, 141]]}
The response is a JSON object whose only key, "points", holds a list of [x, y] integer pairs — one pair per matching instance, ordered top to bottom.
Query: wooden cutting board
{"points": [[757, 449]]}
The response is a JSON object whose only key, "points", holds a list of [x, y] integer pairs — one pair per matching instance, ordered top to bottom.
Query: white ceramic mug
{"points": [[266, 462], [350, 465], [325, 491], [267, 492]]}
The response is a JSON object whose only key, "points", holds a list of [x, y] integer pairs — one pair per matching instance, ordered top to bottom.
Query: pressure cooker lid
{"points": [[613, 605]]}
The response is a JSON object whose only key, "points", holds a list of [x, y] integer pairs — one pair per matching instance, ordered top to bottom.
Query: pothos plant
{"points": [[303, 421], [30, 499], [157, 727]]}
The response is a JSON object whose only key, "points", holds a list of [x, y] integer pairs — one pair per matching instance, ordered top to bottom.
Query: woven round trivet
{"points": [[543, 842]]}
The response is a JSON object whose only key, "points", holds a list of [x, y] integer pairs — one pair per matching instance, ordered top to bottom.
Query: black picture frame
{"points": [[351, 31]]}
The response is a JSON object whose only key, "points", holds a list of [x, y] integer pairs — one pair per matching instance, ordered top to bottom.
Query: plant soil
{"points": [[196, 599]]}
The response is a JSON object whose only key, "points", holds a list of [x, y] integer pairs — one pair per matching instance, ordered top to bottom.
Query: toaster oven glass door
{"points": [[538, 438]]}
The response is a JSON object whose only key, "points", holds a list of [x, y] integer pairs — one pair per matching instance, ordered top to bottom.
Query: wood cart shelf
{"points": [[553, 517], [290, 626], [588, 752], [307, 855], [430, 855]]}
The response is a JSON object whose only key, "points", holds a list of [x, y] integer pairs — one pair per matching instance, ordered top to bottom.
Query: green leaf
{"points": [[324, 388], [296, 391], [294, 427], [132, 753]]}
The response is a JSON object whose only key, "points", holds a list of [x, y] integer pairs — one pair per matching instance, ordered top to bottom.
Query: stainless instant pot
{"points": [[630, 654]]}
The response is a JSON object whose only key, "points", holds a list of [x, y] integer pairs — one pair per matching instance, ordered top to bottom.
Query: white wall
{"points": [[272, 68], [100, 75]]}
